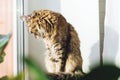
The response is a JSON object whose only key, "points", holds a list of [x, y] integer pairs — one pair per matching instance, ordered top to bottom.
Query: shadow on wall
{"points": [[111, 41], [111, 44], [94, 57]]}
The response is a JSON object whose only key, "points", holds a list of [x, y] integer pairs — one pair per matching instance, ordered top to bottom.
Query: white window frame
{"points": [[20, 38]]}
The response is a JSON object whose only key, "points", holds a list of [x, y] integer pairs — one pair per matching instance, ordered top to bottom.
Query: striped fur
{"points": [[62, 42]]}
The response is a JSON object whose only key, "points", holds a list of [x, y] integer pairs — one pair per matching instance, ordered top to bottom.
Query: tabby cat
{"points": [[62, 42]]}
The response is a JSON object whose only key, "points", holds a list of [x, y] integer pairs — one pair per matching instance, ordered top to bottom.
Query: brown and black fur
{"points": [[62, 42]]}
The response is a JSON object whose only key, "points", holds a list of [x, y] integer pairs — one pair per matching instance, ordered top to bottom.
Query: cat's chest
{"points": [[48, 45], [50, 48]]}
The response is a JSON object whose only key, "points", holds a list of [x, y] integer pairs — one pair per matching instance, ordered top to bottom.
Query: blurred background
{"points": [[97, 23]]}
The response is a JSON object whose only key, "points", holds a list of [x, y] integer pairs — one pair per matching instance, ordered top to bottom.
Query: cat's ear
{"points": [[25, 18]]}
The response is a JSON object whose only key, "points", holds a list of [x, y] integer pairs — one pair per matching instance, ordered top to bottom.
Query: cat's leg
{"points": [[59, 56], [74, 64], [50, 65], [59, 65]]}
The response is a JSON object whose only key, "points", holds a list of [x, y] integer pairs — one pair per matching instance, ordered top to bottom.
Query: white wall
{"points": [[83, 15], [112, 32]]}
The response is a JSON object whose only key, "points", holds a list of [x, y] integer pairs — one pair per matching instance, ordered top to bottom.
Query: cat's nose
{"points": [[23, 18]]}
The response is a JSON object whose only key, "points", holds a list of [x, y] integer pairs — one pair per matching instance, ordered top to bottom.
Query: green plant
{"points": [[3, 42], [37, 73]]}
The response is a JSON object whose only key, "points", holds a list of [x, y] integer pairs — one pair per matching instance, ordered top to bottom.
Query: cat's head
{"points": [[41, 23]]}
